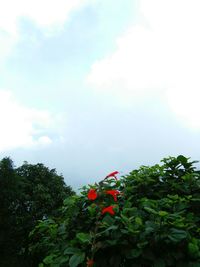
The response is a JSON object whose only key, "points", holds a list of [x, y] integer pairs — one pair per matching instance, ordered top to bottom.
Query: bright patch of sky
{"points": [[159, 53], [90, 86]]}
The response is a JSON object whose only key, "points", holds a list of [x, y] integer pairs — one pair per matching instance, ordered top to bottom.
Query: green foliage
{"points": [[28, 194], [8, 202], [156, 221]]}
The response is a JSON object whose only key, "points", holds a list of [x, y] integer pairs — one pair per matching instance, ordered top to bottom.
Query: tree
{"points": [[43, 191], [29, 193], [8, 196]]}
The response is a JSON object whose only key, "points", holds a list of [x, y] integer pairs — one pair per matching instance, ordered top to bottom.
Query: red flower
{"points": [[112, 174], [114, 193], [92, 194], [108, 209], [90, 262]]}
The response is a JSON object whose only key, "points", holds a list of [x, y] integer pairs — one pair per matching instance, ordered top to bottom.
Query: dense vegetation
{"points": [[28, 194], [151, 217]]}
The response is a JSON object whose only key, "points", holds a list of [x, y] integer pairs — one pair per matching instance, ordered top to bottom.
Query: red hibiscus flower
{"points": [[112, 174], [113, 193], [92, 194], [108, 209], [90, 262]]}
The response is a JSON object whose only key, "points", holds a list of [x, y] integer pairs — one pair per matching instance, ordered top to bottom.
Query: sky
{"points": [[93, 86]]}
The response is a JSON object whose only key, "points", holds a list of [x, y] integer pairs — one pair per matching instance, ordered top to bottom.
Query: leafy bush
{"points": [[152, 218]]}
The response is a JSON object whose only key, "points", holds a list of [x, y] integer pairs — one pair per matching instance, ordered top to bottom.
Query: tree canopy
{"points": [[28, 193]]}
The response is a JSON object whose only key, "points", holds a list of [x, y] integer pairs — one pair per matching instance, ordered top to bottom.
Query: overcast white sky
{"points": [[92, 86]]}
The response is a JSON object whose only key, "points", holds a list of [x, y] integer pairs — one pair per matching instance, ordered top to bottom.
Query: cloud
{"points": [[44, 13], [48, 16], [6, 44], [158, 53], [23, 127]]}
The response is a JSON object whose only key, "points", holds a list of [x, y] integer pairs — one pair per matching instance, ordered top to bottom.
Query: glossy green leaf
{"points": [[177, 235], [84, 237], [71, 250], [76, 259]]}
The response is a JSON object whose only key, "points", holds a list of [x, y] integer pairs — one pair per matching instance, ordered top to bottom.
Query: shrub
{"points": [[151, 217]]}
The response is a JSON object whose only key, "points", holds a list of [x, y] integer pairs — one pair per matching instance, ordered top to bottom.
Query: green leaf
{"points": [[182, 159], [70, 200], [92, 210], [150, 210], [162, 213], [125, 219], [108, 220], [138, 220], [112, 227], [150, 227], [61, 229], [124, 231], [177, 235], [84, 237], [193, 249], [71, 250], [48, 259], [61, 259], [76, 259]]}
